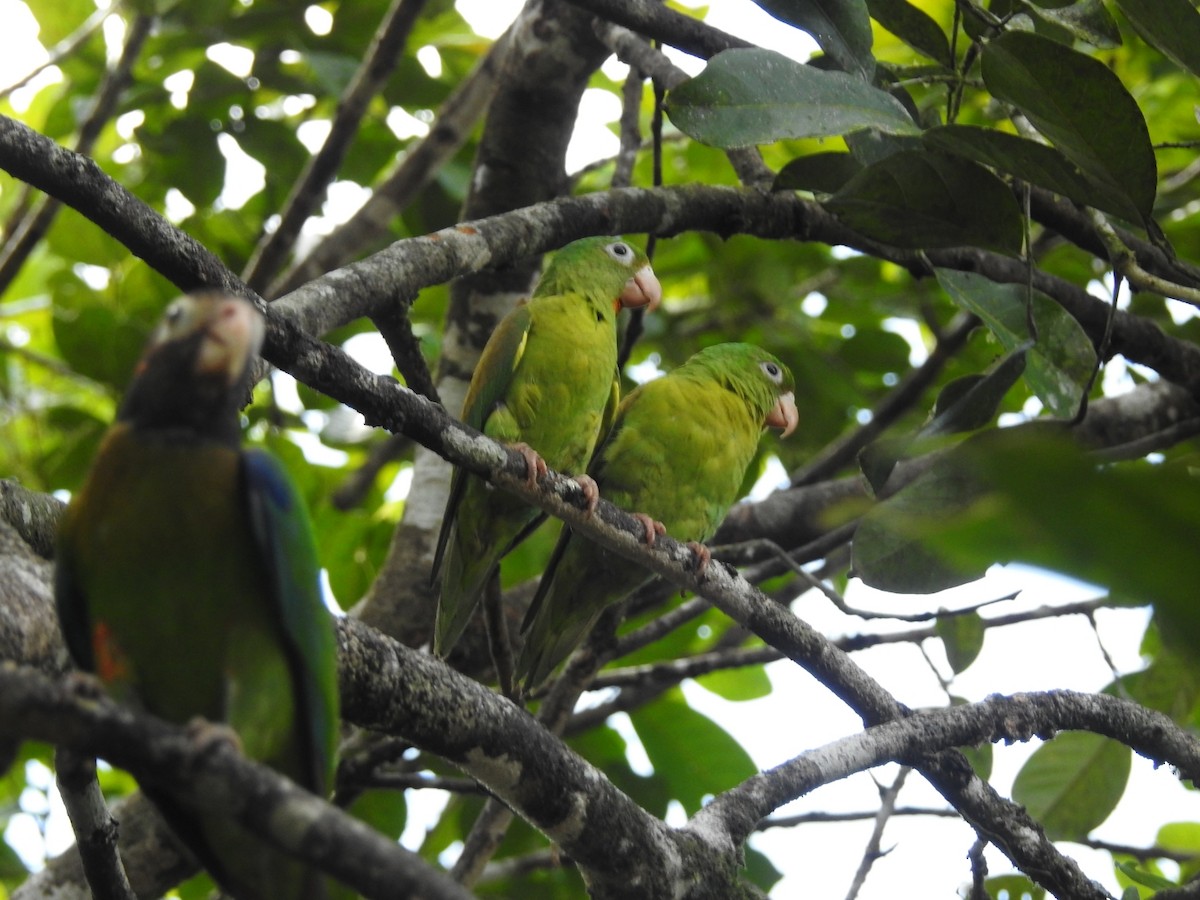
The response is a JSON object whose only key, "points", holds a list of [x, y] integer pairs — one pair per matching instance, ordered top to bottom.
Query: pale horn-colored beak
{"points": [[642, 289], [784, 414]]}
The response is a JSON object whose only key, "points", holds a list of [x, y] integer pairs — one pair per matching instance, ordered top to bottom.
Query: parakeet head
{"points": [[609, 266], [195, 370], [757, 376]]}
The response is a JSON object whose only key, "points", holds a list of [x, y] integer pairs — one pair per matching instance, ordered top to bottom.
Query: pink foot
{"points": [[535, 466], [591, 492], [653, 527], [703, 557]]}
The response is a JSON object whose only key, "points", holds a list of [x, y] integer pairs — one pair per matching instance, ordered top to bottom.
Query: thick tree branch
{"points": [[654, 20], [403, 268], [1016, 718], [216, 777]]}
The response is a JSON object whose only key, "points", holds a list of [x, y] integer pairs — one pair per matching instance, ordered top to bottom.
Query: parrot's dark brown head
{"points": [[194, 373]]}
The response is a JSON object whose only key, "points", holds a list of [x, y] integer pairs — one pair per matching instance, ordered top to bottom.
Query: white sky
{"points": [[819, 861]]}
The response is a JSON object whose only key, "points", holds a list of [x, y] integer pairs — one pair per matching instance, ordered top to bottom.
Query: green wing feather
{"points": [[496, 366]]}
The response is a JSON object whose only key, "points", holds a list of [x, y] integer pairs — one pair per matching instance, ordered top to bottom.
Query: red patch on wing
{"points": [[111, 663]]}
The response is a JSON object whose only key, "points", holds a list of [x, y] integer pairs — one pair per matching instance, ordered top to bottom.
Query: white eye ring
{"points": [[620, 251], [176, 311], [772, 370]]}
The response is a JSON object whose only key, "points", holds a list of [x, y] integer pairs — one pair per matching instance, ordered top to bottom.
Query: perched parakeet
{"points": [[547, 383], [677, 454], [187, 580]]}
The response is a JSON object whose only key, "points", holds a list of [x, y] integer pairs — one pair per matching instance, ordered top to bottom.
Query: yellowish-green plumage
{"points": [[546, 379], [677, 453]]}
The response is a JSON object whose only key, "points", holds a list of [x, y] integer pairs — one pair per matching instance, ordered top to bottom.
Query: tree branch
{"points": [[1019, 717], [215, 777]]}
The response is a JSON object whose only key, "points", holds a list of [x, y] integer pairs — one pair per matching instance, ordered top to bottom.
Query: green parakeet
{"points": [[546, 382], [677, 454], [187, 580]]}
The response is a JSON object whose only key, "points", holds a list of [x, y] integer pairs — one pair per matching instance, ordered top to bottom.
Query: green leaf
{"points": [[59, 20], [1088, 20], [914, 26], [1171, 26], [842, 28], [755, 96], [1080, 106], [1032, 162], [818, 172], [921, 200], [1061, 361], [971, 402], [965, 404], [1047, 504], [890, 551], [962, 636], [737, 685], [671, 731], [1073, 783], [385, 810], [759, 869], [1147, 879], [1017, 887]]}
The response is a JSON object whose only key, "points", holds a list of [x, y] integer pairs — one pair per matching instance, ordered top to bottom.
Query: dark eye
{"points": [[620, 251], [774, 372]]}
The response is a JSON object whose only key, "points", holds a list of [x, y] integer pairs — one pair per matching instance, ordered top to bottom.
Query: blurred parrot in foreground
{"points": [[546, 383], [677, 454], [187, 580]]}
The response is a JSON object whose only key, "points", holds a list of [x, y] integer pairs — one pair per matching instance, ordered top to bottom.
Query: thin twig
{"points": [[309, 188], [28, 233]]}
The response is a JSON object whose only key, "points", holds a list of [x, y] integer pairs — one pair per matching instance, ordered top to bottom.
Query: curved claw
{"points": [[535, 466], [591, 492], [652, 527], [703, 557]]}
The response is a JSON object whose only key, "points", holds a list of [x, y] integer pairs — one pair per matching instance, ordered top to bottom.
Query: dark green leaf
{"points": [[1088, 20], [913, 26], [1172, 26], [842, 28], [748, 97], [1081, 106], [1032, 162], [817, 172], [923, 200], [1061, 361], [972, 401], [1048, 505], [889, 550], [962, 636], [670, 730], [1072, 783], [759, 869]]}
